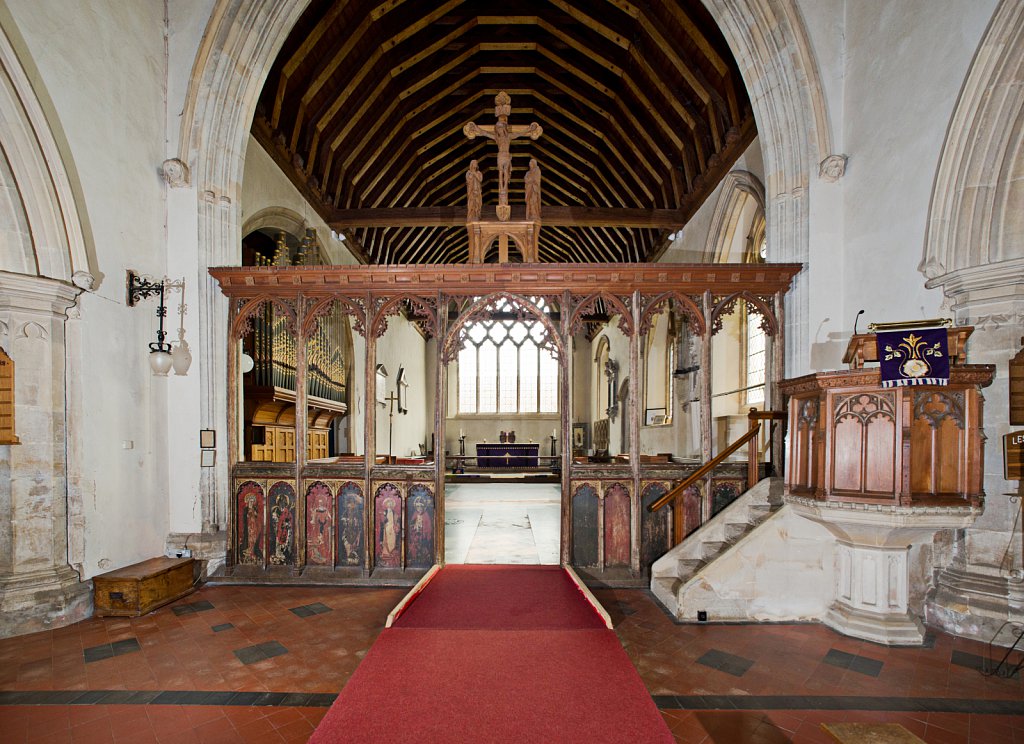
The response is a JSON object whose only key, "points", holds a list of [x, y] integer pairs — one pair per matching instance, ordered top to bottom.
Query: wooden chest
{"points": [[135, 590]]}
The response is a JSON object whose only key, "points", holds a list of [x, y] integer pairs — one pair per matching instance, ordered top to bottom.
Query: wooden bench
{"points": [[136, 590]]}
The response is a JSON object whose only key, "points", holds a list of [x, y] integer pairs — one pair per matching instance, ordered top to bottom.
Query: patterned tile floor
{"points": [[262, 664], [788, 679]]}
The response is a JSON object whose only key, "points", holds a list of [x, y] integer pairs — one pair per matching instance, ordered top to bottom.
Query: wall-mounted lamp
{"points": [[160, 352]]}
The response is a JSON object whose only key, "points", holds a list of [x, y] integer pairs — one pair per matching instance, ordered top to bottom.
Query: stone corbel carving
{"points": [[832, 168], [175, 173], [83, 280]]}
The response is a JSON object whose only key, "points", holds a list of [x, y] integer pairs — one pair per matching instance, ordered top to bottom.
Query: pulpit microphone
{"points": [[855, 322]]}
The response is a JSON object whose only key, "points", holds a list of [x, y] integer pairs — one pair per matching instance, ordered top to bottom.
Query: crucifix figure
{"points": [[503, 133], [391, 399]]}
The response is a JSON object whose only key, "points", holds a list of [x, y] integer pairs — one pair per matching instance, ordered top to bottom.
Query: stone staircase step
{"points": [[728, 528], [735, 530], [712, 549], [688, 566]]}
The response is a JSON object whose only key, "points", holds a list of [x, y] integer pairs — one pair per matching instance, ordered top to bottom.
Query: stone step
{"points": [[734, 530], [712, 549], [690, 566]]}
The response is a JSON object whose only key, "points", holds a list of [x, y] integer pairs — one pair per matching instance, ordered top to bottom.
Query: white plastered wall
{"points": [[109, 108], [266, 186], [403, 346]]}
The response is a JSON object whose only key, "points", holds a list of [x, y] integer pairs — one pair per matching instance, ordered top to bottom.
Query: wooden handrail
{"points": [[755, 417], [704, 469]]}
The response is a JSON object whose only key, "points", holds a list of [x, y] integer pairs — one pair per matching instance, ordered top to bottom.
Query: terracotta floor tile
{"points": [[183, 653], [94, 730], [299, 730], [216, 732], [61, 737]]}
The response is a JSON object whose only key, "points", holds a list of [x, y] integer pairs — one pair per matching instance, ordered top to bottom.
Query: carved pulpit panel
{"points": [[7, 435]]}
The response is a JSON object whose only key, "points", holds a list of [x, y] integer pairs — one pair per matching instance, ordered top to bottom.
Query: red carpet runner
{"points": [[496, 654]]}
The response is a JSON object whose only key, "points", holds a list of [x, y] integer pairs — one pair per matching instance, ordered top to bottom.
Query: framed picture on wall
{"points": [[382, 382], [402, 388], [654, 416], [579, 436], [207, 438]]}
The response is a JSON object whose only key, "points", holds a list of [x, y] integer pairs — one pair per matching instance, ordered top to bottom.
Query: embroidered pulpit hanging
{"points": [[916, 356]]}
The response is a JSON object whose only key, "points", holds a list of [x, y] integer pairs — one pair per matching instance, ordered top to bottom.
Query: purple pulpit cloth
{"points": [[913, 357]]}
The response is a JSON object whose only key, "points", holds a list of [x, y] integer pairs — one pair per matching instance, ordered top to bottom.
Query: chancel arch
{"points": [[243, 39]]}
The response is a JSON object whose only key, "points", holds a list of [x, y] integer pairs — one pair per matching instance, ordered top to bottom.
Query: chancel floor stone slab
{"points": [[502, 523]]}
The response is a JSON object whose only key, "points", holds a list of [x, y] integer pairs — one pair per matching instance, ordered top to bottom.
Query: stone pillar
{"points": [[973, 253], [982, 585], [38, 588]]}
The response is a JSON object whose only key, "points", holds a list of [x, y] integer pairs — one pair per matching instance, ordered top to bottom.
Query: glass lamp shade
{"points": [[181, 357], [160, 362], [247, 363]]}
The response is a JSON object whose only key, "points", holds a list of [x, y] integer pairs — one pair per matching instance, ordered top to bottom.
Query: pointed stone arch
{"points": [[241, 43], [771, 47], [739, 187], [276, 218], [975, 228], [53, 243], [972, 252]]}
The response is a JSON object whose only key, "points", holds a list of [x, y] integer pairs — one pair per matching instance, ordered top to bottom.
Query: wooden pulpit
{"points": [[850, 439]]}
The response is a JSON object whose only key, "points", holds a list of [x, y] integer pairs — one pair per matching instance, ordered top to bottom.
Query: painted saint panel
{"points": [[723, 493], [691, 509], [319, 525], [419, 525], [388, 526], [584, 526], [616, 526], [653, 526], [249, 532], [281, 533], [351, 546]]}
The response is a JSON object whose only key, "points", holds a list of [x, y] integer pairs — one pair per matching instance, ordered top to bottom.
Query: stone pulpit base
{"points": [[871, 568]]}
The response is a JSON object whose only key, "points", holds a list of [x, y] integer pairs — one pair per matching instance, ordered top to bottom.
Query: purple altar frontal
{"points": [[507, 455]]}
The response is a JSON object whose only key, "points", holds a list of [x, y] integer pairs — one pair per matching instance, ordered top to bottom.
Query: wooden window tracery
{"points": [[506, 364]]}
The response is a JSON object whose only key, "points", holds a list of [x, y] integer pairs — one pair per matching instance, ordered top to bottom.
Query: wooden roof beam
{"points": [[671, 219]]}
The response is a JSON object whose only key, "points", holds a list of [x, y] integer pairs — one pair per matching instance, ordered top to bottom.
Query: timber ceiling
{"points": [[642, 106]]}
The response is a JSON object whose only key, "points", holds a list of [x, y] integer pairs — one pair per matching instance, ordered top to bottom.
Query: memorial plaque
{"points": [[7, 435], [1013, 455]]}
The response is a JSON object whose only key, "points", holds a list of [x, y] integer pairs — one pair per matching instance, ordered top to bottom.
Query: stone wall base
{"points": [[210, 548], [43, 600], [974, 605], [891, 628]]}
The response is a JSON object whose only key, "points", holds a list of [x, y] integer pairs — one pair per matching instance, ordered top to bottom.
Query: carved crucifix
{"points": [[503, 133]]}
